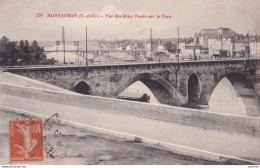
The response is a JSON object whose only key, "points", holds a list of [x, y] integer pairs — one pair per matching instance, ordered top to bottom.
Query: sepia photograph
{"points": [[120, 82]]}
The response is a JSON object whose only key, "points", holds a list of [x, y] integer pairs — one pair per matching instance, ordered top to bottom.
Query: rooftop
{"points": [[205, 31], [215, 33]]}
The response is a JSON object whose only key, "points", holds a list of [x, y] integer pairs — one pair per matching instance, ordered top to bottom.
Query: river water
{"points": [[69, 56], [224, 99]]}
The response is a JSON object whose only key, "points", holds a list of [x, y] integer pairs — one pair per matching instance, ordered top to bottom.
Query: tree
{"points": [[3, 41], [21, 45], [171, 47], [20, 49], [35, 50], [8, 51], [26, 51], [3, 52], [12, 52], [30, 54], [43, 55], [3, 56]]}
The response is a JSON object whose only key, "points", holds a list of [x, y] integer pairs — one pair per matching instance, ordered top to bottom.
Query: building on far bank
{"points": [[205, 35], [212, 41], [217, 44], [140, 45], [156, 46], [162, 48], [241, 48], [254, 48], [193, 49], [190, 50]]}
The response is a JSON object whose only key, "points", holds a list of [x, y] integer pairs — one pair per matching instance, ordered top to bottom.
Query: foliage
{"points": [[171, 47], [12, 53]]}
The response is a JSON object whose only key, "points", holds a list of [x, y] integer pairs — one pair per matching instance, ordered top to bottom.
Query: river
{"points": [[224, 99]]}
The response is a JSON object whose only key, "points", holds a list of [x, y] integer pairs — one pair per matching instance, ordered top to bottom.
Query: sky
{"points": [[18, 18]]}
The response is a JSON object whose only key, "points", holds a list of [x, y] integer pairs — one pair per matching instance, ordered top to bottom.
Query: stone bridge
{"points": [[172, 83]]}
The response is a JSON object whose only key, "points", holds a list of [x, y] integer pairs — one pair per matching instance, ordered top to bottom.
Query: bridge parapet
{"points": [[144, 63]]}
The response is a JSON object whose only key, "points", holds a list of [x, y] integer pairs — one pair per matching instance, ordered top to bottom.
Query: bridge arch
{"points": [[82, 87], [194, 88], [161, 89], [244, 89]]}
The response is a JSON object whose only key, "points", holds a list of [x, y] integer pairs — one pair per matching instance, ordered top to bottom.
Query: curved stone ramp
{"points": [[10, 78]]}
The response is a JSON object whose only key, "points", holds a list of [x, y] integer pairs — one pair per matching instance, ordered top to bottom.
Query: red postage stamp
{"points": [[26, 143]]}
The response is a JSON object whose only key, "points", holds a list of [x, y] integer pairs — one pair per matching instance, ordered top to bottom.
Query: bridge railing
{"points": [[127, 62]]}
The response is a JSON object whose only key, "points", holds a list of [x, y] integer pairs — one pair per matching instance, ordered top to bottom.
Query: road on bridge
{"points": [[119, 63]]}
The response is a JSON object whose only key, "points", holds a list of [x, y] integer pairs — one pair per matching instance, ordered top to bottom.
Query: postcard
{"points": [[119, 82]]}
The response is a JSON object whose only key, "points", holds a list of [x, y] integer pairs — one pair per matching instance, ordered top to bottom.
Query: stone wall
{"points": [[198, 118]]}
